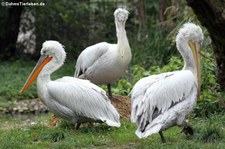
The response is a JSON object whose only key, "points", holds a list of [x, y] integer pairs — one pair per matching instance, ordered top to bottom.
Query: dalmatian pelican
{"points": [[104, 63], [70, 98], [164, 100]]}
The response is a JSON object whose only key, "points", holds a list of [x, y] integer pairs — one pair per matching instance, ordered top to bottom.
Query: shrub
{"points": [[211, 99]]}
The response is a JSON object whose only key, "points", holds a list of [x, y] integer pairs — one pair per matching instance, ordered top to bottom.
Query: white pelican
{"points": [[104, 63], [73, 99], [164, 100]]}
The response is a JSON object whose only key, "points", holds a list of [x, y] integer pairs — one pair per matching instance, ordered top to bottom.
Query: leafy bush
{"points": [[76, 24], [79, 24], [211, 99]]}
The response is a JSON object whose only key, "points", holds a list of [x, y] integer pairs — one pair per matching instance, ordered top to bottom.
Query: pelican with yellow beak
{"points": [[73, 99], [164, 100]]}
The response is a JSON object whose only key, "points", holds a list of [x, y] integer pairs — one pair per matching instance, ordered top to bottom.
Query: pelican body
{"points": [[104, 63], [70, 98], [164, 100]]}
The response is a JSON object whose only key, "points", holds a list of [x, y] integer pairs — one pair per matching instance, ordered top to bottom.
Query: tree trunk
{"points": [[211, 13], [142, 19], [11, 26]]}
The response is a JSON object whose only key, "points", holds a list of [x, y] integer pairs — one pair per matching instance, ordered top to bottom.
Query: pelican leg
{"points": [[109, 91], [111, 97], [53, 121], [77, 125], [187, 130], [162, 137]]}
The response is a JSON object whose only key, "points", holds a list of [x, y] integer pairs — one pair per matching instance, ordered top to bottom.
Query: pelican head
{"points": [[121, 15], [190, 33], [189, 40], [55, 50], [52, 57]]}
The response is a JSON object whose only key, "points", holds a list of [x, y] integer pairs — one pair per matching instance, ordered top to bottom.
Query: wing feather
{"points": [[88, 57], [155, 94], [84, 99]]}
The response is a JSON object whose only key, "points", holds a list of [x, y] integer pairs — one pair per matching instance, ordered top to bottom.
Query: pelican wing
{"points": [[89, 57], [154, 95], [84, 99]]}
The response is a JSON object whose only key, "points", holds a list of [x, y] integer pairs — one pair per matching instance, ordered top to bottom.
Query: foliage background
{"points": [[79, 24]]}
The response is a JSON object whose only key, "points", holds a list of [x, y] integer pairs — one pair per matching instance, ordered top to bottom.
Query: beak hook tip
{"points": [[21, 91]]}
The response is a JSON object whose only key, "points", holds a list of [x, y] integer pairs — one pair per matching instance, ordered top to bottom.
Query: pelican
{"points": [[104, 63], [70, 98], [164, 100]]}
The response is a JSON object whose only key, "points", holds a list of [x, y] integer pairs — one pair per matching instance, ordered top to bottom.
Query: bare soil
{"points": [[123, 105]]}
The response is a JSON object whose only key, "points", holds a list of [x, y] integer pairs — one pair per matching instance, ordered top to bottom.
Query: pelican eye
{"points": [[44, 52]]}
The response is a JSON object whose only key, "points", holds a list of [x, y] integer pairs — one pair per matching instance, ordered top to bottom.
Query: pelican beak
{"points": [[197, 58], [43, 60]]}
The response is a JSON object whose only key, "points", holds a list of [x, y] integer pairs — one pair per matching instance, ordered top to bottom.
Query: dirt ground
{"points": [[123, 105]]}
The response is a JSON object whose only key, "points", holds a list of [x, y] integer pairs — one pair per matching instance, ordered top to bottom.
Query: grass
{"points": [[14, 75], [34, 133]]}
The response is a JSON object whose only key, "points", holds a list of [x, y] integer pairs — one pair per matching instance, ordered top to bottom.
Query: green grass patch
{"points": [[14, 75], [33, 132]]}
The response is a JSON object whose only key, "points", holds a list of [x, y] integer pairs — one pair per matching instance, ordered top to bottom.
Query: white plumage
{"points": [[104, 63], [70, 98], [164, 100]]}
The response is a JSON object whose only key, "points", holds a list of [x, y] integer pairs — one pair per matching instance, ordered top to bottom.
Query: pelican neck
{"points": [[122, 41]]}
